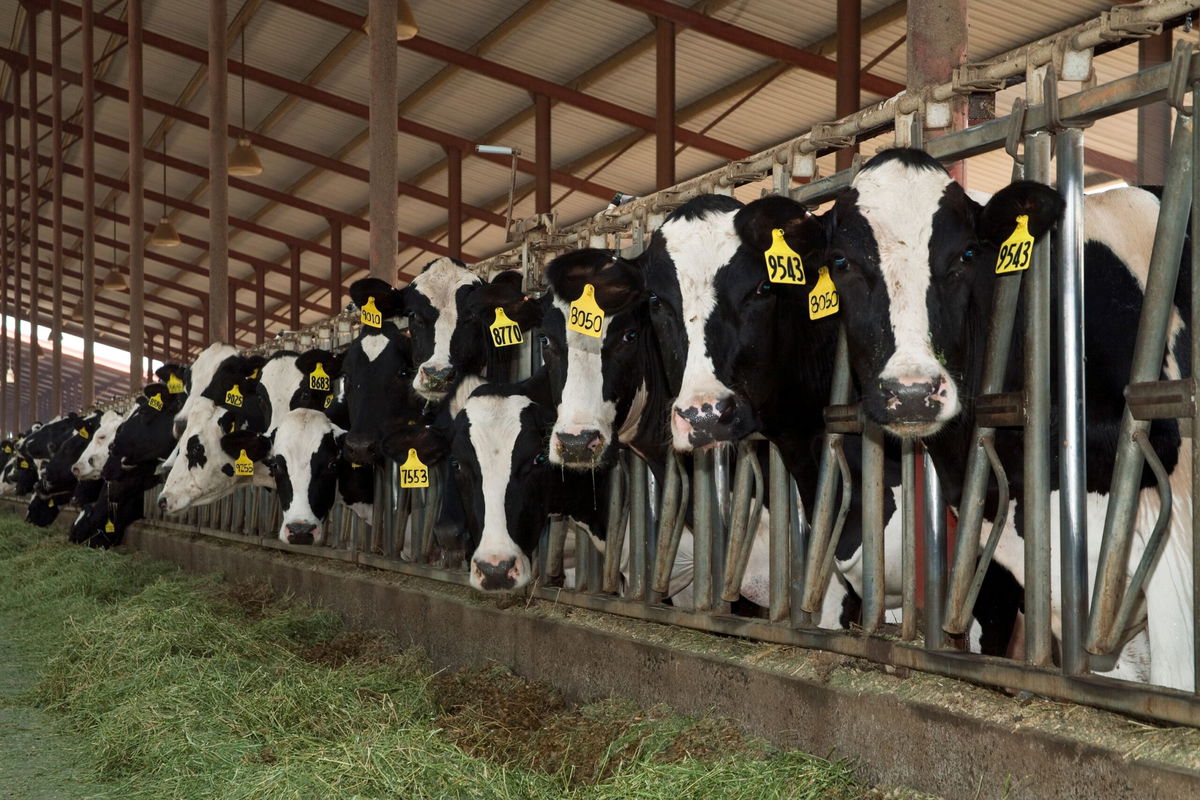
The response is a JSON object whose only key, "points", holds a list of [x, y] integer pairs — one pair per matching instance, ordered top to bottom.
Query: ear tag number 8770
{"points": [[1017, 250], [784, 264], [586, 315], [504, 331], [318, 379], [413, 472]]}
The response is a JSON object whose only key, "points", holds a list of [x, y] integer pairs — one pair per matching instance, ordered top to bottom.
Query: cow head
{"points": [[908, 250], [504, 291], [445, 341], [319, 372], [376, 372], [198, 376], [176, 377], [600, 381], [145, 436], [43, 442], [91, 460], [202, 471], [57, 472], [20, 475], [504, 475], [43, 508]]}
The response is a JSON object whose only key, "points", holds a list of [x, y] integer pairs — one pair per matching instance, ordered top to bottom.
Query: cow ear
{"points": [[1043, 206], [754, 223], [569, 272], [619, 285], [364, 288], [505, 291], [308, 360], [152, 389], [256, 445]]}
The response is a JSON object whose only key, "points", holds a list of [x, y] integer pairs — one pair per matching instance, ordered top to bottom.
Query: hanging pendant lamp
{"points": [[406, 23], [243, 161], [164, 234], [114, 281], [77, 312]]}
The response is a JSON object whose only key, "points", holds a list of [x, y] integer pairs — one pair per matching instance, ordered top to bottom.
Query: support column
{"points": [[937, 43], [849, 68], [1154, 119], [664, 128], [382, 131], [543, 156], [454, 197], [137, 228], [335, 268], [295, 287], [88, 298], [260, 304], [231, 313], [219, 318], [185, 344], [35, 384], [56, 387], [20, 400], [5, 427]]}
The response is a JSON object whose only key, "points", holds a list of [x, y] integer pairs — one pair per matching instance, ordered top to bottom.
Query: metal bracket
{"points": [[1121, 22], [966, 80], [1177, 83], [1054, 121], [1016, 131], [822, 137], [737, 174], [1003, 410], [844, 418]]}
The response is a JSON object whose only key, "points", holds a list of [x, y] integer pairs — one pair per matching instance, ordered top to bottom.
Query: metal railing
{"points": [[725, 489]]}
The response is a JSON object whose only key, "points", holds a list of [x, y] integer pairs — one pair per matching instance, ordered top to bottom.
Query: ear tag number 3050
{"points": [[1017, 250], [784, 264], [823, 300], [370, 314], [586, 315], [504, 331], [318, 379], [234, 397], [155, 402], [243, 467], [413, 472]]}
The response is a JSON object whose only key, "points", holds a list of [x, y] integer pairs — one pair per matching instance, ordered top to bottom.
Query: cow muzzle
{"points": [[435, 382], [913, 406], [705, 424], [360, 448], [580, 449], [301, 533], [499, 572]]}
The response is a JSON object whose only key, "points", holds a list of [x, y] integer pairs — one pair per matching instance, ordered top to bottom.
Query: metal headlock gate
{"points": [[726, 489]]}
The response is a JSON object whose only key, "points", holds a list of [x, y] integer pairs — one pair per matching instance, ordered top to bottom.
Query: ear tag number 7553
{"points": [[1017, 250], [784, 264], [586, 315], [504, 331], [413, 472]]}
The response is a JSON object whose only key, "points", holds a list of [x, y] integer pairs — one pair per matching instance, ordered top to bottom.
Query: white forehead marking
{"points": [[899, 203], [699, 247], [440, 284], [281, 379], [582, 404], [495, 425]]}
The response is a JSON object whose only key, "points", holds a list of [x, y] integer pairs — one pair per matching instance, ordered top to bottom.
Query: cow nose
{"points": [[439, 378], [910, 399], [708, 423], [583, 446], [361, 449], [76, 471], [162, 504], [300, 532], [496, 574]]}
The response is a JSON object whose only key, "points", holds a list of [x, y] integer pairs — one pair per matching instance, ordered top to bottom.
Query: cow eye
{"points": [[968, 255], [838, 261], [763, 288], [655, 303], [630, 336], [543, 340], [541, 458], [454, 464]]}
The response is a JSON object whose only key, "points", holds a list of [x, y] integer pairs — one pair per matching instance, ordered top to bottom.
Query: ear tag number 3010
{"points": [[1017, 250], [784, 264], [823, 300], [370, 314], [586, 315], [504, 331], [318, 379], [243, 467], [413, 472]]}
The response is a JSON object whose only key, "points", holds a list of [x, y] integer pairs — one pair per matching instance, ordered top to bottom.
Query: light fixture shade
{"points": [[406, 25], [243, 161], [164, 234], [114, 281], [77, 312], [10, 376]]}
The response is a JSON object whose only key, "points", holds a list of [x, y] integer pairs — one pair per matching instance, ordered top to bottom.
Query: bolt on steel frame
{"points": [[726, 493]]}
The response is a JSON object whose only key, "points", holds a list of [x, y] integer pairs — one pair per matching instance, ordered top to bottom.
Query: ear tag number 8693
{"points": [[1017, 250], [784, 264], [586, 315], [504, 331], [318, 379], [413, 472]]}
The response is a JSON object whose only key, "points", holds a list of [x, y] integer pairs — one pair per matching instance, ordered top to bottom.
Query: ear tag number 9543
{"points": [[1017, 250], [784, 264], [823, 300], [370, 314], [586, 315], [504, 331], [318, 379], [243, 467], [413, 472]]}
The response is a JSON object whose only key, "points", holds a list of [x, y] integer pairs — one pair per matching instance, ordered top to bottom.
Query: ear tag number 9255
{"points": [[1017, 250], [784, 264], [823, 300], [370, 314], [586, 315], [504, 331], [318, 379], [243, 467], [413, 472]]}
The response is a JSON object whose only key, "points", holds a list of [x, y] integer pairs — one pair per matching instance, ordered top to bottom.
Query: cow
{"points": [[914, 257], [442, 349], [198, 377], [146, 435], [91, 461], [57, 483], [119, 503]]}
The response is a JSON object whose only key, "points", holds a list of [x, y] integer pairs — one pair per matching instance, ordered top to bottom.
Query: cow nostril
{"points": [[725, 410], [162, 503]]}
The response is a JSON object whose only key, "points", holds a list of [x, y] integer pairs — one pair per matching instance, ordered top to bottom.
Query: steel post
{"points": [[381, 15], [849, 62], [664, 103], [1153, 119], [56, 144], [544, 157], [454, 217], [137, 236], [335, 268], [35, 279], [294, 285], [260, 305], [220, 329], [1195, 372], [22, 404], [6, 426], [780, 497], [705, 521], [639, 525], [908, 532], [935, 558], [874, 588]]}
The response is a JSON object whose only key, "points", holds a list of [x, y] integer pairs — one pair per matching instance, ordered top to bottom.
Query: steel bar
{"points": [[133, 12], [664, 103], [383, 119], [1153, 119], [56, 143], [543, 155], [218, 170], [454, 193], [335, 268], [294, 283], [260, 305], [1149, 347], [35, 384], [22, 399], [1195, 416], [6, 426], [1072, 431], [1036, 464], [779, 498], [618, 517], [705, 521], [639, 523], [670, 526], [741, 534], [908, 534], [935, 557], [874, 581]]}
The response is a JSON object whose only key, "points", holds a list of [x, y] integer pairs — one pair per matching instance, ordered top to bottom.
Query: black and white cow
{"points": [[914, 261], [442, 348], [198, 377], [146, 435], [95, 454], [57, 483], [119, 503]]}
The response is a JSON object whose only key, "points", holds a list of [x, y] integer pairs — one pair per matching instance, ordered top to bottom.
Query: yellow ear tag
{"points": [[1017, 250], [784, 264], [823, 300], [370, 314], [586, 315], [505, 332], [253, 375], [318, 379], [175, 385], [234, 397], [155, 402], [83, 433], [7, 448], [24, 464], [243, 467], [413, 473], [50, 503], [109, 527]]}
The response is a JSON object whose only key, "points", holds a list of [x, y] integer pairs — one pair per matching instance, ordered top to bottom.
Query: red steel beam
{"points": [[849, 73], [56, 89], [664, 98], [88, 137], [137, 205], [335, 268], [34, 273]]}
